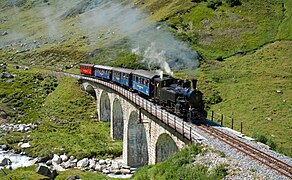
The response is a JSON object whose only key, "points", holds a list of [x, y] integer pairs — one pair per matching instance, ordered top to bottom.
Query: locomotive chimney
{"points": [[194, 83], [187, 84]]}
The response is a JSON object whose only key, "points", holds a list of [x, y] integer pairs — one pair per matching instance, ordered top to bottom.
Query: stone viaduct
{"points": [[146, 139]]}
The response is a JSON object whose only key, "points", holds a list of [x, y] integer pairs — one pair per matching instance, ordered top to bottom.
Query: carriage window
{"points": [[147, 83]]}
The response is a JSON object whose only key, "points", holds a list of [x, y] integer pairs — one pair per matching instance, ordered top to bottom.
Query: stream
{"points": [[17, 159]]}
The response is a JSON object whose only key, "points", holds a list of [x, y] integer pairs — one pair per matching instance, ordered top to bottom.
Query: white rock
{"points": [[25, 145], [64, 157], [56, 159], [108, 161], [102, 162], [83, 163], [92, 163], [67, 164], [115, 165], [58, 167], [98, 167], [105, 171], [125, 171]]}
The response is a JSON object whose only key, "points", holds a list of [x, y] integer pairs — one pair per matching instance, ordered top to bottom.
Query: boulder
{"points": [[4, 33], [7, 75], [3, 114], [269, 118], [21, 128], [25, 145], [4, 147], [64, 157], [72, 158], [56, 159], [35, 160], [108, 161], [5, 162], [49, 162], [102, 162], [83, 163], [92, 163], [67, 164], [115, 165], [57, 167], [98, 167], [126, 167], [44, 170], [105, 171], [116, 171], [125, 171], [73, 177]]}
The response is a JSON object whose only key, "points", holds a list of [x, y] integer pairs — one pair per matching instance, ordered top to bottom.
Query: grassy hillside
{"points": [[229, 30], [245, 54], [249, 84], [66, 116], [180, 166]]}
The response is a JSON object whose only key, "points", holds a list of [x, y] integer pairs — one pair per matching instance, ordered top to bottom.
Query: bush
{"points": [[233, 3], [213, 4], [215, 98], [263, 139]]}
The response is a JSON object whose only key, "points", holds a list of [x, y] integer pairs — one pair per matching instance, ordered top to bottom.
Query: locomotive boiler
{"points": [[180, 97]]}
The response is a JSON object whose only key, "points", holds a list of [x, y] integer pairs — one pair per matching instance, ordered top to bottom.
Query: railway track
{"points": [[256, 154]]}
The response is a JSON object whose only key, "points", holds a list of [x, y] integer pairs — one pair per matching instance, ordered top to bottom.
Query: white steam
{"points": [[156, 44], [154, 58]]}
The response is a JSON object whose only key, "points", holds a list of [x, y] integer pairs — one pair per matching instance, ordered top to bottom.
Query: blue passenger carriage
{"points": [[104, 72], [122, 76], [143, 82]]}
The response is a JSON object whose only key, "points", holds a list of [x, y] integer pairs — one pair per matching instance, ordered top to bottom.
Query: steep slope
{"points": [[251, 43]]}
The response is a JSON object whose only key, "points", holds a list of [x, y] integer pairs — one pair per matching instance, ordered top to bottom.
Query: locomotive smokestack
{"points": [[161, 74], [194, 83], [187, 84]]}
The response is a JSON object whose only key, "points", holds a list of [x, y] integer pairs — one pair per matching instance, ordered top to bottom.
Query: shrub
{"points": [[233, 3], [213, 4], [214, 98], [263, 139]]}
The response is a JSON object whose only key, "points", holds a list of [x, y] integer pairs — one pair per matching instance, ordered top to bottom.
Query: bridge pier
{"points": [[147, 142]]}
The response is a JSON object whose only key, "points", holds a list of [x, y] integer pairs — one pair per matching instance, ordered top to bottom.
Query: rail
{"points": [[176, 123], [260, 156]]}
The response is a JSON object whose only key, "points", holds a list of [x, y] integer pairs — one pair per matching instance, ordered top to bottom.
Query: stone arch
{"points": [[90, 90], [105, 107], [118, 120], [165, 146], [137, 154]]}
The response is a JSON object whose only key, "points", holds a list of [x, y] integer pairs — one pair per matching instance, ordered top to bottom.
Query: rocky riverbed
{"points": [[12, 159], [113, 168]]}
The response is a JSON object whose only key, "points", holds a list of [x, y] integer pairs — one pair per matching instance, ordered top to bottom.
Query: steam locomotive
{"points": [[180, 97]]}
